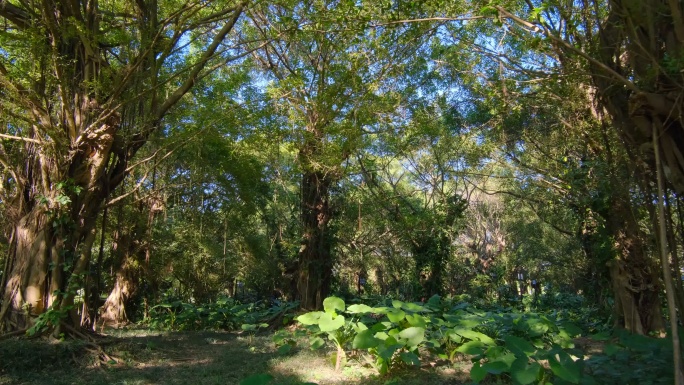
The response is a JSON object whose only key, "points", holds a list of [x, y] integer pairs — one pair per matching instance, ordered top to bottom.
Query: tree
{"points": [[330, 77], [85, 84]]}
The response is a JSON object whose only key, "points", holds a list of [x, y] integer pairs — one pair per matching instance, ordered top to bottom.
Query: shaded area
{"points": [[150, 358]]}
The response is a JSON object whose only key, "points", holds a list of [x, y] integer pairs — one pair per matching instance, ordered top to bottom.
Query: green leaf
{"points": [[435, 300], [331, 304], [397, 304], [410, 306], [359, 308], [396, 315], [310, 318], [416, 320], [327, 323], [248, 327], [537, 327], [572, 329], [413, 335], [473, 335], [455, 337], [365, 340], [317, 343], [519, 346], [471, 347], [284, 349], [387, 351], [410, 358], [563, 366], [495, 367], [477, 373], [523, 373], [257, 379]]}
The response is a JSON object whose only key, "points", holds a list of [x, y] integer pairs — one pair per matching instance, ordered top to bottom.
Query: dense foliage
{"points": [[187, 165]]}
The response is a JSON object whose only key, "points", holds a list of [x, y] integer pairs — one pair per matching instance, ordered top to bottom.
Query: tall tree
{"points": [[330, 78], [85, 84]]}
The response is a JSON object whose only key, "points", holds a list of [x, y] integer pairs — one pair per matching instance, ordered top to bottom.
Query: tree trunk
{"points": [[315, 259], [633, 274], [114, 311]]}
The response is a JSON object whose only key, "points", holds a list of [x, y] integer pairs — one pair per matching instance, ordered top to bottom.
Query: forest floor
{"points": [[201, 357]]}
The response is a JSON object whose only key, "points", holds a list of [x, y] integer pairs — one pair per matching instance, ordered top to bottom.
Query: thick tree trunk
{"points": [[315, 258], [49, 264], [636, 285], [26, 291], [114, 311]]}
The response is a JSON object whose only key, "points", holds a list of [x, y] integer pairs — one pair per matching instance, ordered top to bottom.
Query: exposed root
{"points": [[13, 334], [92, 345]]}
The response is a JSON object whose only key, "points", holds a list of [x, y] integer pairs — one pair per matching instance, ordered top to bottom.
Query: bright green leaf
{"points": [[331, 304], [310, 318], [327, 323], [413, 335], [365, 340]]}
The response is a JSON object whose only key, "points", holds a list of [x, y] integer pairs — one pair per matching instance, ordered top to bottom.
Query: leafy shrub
{"points": [[226, 313], [503, 344]]}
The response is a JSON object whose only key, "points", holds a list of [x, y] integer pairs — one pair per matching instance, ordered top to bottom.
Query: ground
{"points": [[150, 358]]}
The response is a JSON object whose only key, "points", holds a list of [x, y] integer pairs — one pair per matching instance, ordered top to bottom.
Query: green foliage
{"points": [[226, 313], [501, 344], [622, 355]]}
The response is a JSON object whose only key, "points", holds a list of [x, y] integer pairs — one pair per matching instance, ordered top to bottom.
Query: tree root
{"points": [[13, 334], [92, 345]]}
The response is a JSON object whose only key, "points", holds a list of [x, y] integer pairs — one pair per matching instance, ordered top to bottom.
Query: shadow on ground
{"points": [[187, 358]]}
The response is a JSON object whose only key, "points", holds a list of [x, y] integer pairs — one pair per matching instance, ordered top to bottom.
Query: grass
{"points": [[193, 358]]}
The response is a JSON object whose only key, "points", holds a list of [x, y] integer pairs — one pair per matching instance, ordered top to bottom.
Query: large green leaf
{"points": [[435, 300], [331, 304], [414, 307], [359, 308], [396, 315], [310, 318], [416, 320], [328, 323], [537, 326], [572, 329], [413, 335], [473, 335], [365, 340], [519, 346], [471, 347], [386, 351], [410, 358], [563, 366], [495, 367], [477, 373], [524, 374]]}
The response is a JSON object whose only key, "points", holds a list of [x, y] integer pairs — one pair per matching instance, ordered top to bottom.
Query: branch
{"points": [[18, 16], [428, 19], [534, 28], [206, 56], [30, 140]]}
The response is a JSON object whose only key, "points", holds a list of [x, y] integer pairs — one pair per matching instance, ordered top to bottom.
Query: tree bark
{"points": [[315, 258], [636, 286]]}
